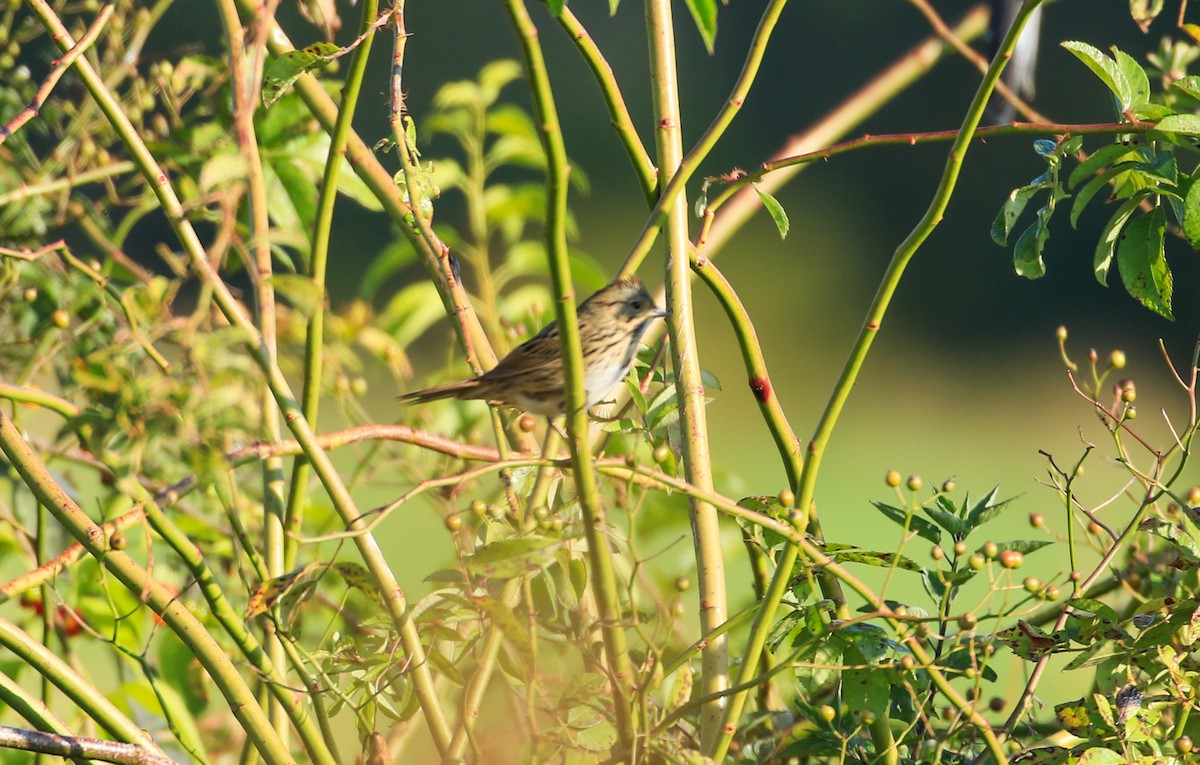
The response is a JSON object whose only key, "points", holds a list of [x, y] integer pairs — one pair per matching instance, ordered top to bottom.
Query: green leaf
{"points": [[556, 7], [1144, 12], [704, 13], [1106, 69], [282, 71], [497, 74], [1135, 75], [1189, 85], [1184, 124], [1098, 159], [1113, 175], [1012, 209], [775, 210], [1191, 214], [1107, 244], [1027, 254], [1143, 265], [301, 292], [413, 310], [986, 509], [948, 521], [924, 528], [1024, 546], [848, 554], [508, 558], [866, 690], [1101, 756]]}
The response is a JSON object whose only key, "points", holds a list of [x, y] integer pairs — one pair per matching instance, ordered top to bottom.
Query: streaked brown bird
{"points": [[611, 324]]}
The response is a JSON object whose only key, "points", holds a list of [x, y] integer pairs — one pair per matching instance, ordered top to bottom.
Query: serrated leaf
{"points": [[704, 13], [1106, 69], [284, 70], [1135, 75], [1189, 85], [1184, 124], [775, 210], [1191, 214], [1143, 264], [1024, 546], [872, 558], [865, 690]]}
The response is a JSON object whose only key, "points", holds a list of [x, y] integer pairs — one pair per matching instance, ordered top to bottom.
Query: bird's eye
{"points": [[636, 305]]}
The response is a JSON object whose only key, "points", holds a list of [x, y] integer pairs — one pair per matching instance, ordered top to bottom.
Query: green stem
{"points": [[244, 85], [690, 163], [643, 166], [67, 183], [322, 226], [685, 356], [764, 393], [38, 398], [603, 578], [384, 580], [234, 624], [224, 673], [480, 679], [30, 709]]}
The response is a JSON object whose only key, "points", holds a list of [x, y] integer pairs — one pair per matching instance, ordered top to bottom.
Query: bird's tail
{"points": [[462, 389]]}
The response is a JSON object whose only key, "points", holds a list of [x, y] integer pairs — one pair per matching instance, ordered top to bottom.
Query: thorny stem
{"points": [[244, 84], [314, 343], [697, 458], [603, 577]]}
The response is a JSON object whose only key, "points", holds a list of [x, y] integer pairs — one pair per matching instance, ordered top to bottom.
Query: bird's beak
{"points": [[660, 313]]}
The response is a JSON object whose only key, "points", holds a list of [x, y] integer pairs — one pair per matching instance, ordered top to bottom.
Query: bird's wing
{"points": [[535, 352]]}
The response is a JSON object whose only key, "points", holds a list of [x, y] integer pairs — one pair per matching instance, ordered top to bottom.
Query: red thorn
{"points": [[761, 387]]}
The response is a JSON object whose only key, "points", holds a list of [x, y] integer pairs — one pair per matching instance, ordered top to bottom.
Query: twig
{"points": [[58, 69], [78, 746]]}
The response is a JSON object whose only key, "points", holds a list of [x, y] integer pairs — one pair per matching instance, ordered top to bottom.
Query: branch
{"points": [[58, 69], [78, 747]]}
